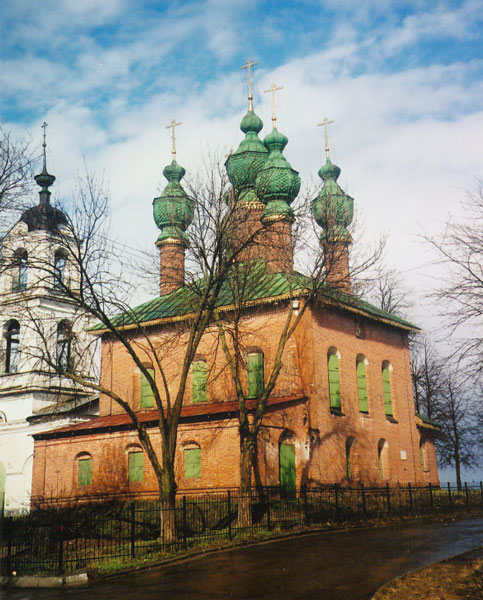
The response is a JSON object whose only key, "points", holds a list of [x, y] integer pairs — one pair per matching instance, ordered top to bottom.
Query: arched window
{"points": [[60, 262], [19, 281], [13, 347], [63, 349], [255, 374], [334, 378], [198, 381], [362, 385], [386, 388], [147, 396], [3, 417], [348, 458], [383, 459], [135, 460], [192, 461], [84, 469]]}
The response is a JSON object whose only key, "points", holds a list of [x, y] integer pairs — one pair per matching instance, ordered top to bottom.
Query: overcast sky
{"points": [[401, 79]]}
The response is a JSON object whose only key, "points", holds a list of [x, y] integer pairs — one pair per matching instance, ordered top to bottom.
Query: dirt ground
{"points": [[459, 578]]}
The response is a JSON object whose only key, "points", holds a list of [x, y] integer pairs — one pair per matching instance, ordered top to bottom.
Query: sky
{"points": [[400, 79]]}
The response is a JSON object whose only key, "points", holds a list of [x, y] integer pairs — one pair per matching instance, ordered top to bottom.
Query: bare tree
{"points": [[16, 181], [460, 248], [427, 372], [458, 414]]}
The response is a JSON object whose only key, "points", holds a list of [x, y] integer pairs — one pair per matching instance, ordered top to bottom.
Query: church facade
{"points": [[36, 313], [342, 409]]}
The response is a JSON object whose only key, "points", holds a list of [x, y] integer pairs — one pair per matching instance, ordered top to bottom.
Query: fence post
{"points": [[410, 491], [481, 491], [336, 494], [467, 495], [431, 496], [363, 497], [388, 498], [450, 506], [306, 508], [269, 514], [229, 515], [184, 523], [9, 527], [133, 530], [61, 550]]}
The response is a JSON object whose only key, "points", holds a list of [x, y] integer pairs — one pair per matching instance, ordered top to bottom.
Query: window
{"points": [[60, 262], [19, 281], [13, 347], [63, 350], [255, 374], [334, 380], [198, 381], [362, 386], [386, 388], [147, 396], [383, 459], [192, 462], [136, 466], [84, 470]]}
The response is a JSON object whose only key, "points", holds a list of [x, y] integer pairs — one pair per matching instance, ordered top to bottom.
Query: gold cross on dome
{"points": [[248, 67], [273, 88], [325, 124], [173, 126]]}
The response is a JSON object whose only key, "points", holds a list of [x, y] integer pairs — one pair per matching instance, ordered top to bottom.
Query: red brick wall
{"points": [[319, 436]]}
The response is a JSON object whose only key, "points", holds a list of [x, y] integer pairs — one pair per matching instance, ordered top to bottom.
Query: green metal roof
{"points": [[264, 288]]}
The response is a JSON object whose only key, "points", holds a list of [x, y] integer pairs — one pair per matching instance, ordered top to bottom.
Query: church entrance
{"points": [[287, 469]]}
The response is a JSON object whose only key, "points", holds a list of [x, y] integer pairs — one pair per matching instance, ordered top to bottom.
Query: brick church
{"points": [[342, 408]]}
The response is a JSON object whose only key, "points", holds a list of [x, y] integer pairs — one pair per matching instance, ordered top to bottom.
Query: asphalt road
{"points": [[330, 566]]}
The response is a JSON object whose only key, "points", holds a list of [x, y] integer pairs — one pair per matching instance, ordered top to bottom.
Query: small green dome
{"points": [[251, 122], [243, 165], [329, 171], [277, 183], [333, 209], [173, 210]]}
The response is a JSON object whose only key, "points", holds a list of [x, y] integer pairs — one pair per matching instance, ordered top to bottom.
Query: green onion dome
{"points": [[243, 165], [277, 184], [333, 209], [173, 211]]}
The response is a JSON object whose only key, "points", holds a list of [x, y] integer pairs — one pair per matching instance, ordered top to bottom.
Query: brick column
{"points": [[279, 249], [171, 257], [336, 257]]}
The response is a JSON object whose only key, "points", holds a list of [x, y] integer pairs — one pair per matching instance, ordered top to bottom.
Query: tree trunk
{"points": [[247, 452], [458, 473], [167, 497]]}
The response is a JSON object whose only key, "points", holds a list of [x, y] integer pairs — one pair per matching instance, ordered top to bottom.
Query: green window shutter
{"points": [[255, 375], [198, 381], [334, 381], [362, 387], [386, 391], [147, 396], [192, 462], [136, 466], [287, 469], [85, 471]]}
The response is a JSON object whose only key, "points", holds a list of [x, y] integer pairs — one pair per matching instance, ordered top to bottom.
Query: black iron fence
{"points": [[79, 535]]}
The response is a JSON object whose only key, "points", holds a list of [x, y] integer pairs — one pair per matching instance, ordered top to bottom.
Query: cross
{"points": [[248, 66], [273, 88], [325, 123], [173, 126], [44, 145]]}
